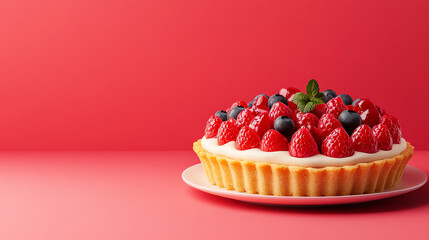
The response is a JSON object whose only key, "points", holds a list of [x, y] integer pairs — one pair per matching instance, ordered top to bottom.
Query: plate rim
{"points": [[231, 193]]}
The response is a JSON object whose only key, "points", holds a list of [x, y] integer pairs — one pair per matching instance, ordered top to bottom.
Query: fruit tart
{"points": [[304, 144]]}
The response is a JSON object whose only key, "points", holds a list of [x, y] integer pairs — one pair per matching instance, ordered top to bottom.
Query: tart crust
{"points": [[283, 180]]}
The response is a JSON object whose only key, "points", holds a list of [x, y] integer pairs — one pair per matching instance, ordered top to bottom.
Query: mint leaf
{"points": [[312, 88], [300, 97], [317, 101], [301, 106], [309, 107]]}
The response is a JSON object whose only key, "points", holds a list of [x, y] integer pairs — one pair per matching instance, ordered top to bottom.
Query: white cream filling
{"points": [[283, 157]]}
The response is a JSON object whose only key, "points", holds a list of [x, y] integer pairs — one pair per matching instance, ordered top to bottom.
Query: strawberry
{"points": [[288, 93], [238, 103], [260, 105], [335, 107], [349, 107], [279, 109], [319, 110], [380, 110], [368, 112], [245, 117], [305, 119], [395, 123], [260, 124], [327, 124], [212, 126], [393, 129], [227, 132], [315, 133], [383, 137], [247, 139], [364, 140], [273, 141], [302, 144], [338, 144]]}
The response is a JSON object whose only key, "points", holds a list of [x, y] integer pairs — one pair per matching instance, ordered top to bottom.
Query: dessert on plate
{"points": [[304, 144]]}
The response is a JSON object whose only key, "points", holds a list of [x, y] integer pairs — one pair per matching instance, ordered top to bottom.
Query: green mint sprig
{"points": [[307, 102]]}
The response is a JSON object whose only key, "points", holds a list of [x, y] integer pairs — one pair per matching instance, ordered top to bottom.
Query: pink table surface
{"points": [[140, 195]]}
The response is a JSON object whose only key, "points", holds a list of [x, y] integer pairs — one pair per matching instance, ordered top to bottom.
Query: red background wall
{"points": [[146, 75]]}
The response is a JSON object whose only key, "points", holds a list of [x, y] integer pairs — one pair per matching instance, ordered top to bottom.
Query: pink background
{"points": [[146, 75]]}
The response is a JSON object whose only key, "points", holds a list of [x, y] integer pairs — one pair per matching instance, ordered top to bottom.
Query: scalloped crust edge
{"points": [[282, 180]]}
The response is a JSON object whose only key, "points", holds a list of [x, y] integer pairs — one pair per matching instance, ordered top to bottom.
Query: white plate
{"points": [[412, 179]]}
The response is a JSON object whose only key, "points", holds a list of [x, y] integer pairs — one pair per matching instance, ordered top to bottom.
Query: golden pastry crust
{"points": [[282, 180]]}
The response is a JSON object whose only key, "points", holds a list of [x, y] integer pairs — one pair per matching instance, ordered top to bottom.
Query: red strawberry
{"points": [[288, 93], [262, 100], [238, 103], [260, 105], [335, 107], [349, 107], [279, 109], [319, 110], [380, 110], [368, 112], [245, 117], [305, 119], [395, 123], [260, 124], [327, 124], [212, 126], [393, 129], [227, 132], [315, 133], [383, 137], [247, 139], [363, 139], [273, 141], [302, 144], [338, 144]]}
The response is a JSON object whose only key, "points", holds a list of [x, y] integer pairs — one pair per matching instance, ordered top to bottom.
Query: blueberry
{"points": [[261, 95], [328, 95], [276, 98], [347, 100], [355, 101], [250, 104], [233, 113], [222, 115], [350, 120], [284, 125]]}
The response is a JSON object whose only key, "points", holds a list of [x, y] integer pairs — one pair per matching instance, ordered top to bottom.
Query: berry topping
{"points": [[289, 92], [265, 95], [328, 95], [276, 98], [347, 100], [355, 101], [239, 103], [250, 104], [260, 105], [335, 107], [349, 107], [279, 109], [319, 110], [381, 111], [368, 112], [233, 113], [222, 115], [245, 117], [306, 119], [350, 120], [395, 122], [260, 124], [327, 124], [284, 125], [212, 126], [227, 132], [395, 132], [315, 133], [382, 135], [247, 139], [364, 140], [273, 141], [302, 144], [338, 144]]}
